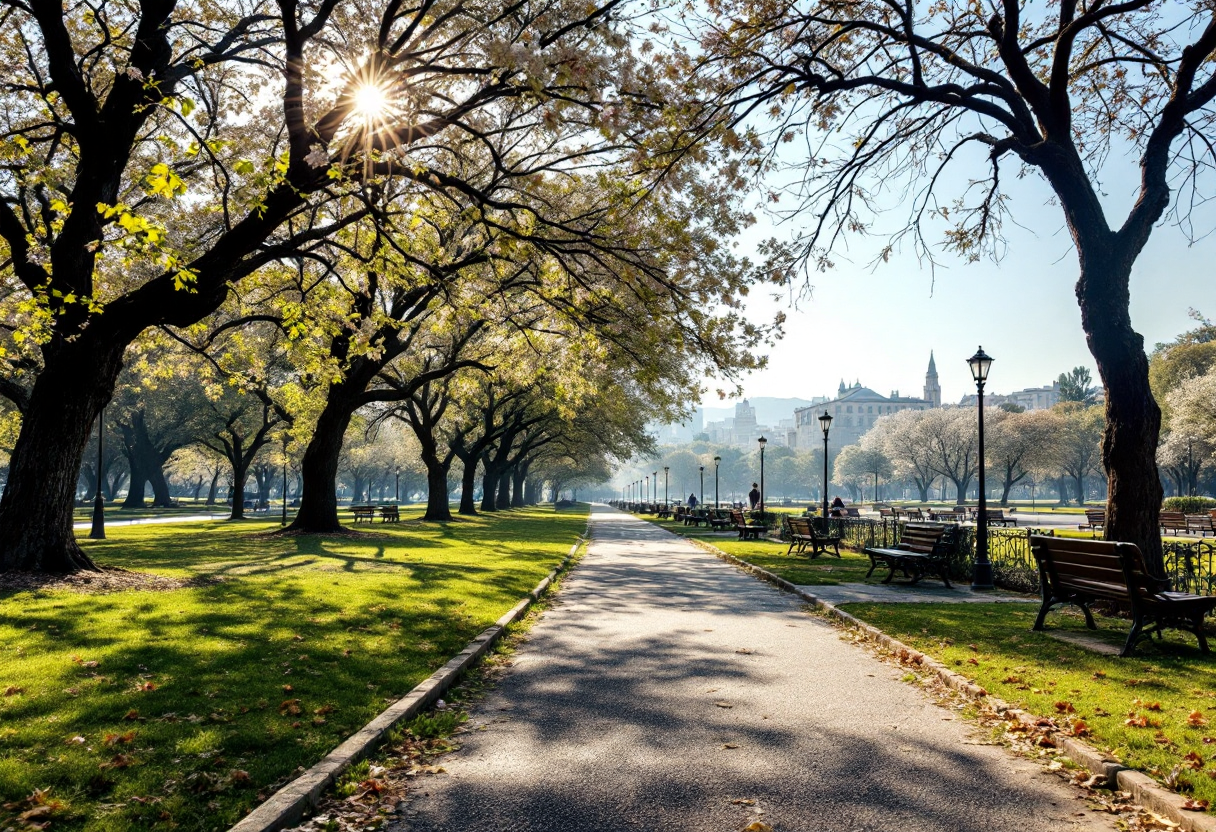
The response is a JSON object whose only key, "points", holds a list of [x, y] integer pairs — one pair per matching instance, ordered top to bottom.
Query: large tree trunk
{"points": [[1133, 420], [319, 469], [240, 473], [215, 481], [468, 484], [517, 487], [489, 489], [503, 501], [437, 506], [36, 511]]}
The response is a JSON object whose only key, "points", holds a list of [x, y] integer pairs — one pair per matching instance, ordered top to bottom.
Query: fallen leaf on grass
{"points": [[973, 661], [146, 687], [287, 688], [13, 690], [290, 706], [1065, 708], [323, 710], [132, 715], [1196, 720], [1079, 728], [119, 739], [119, 761], [1194, 761]]}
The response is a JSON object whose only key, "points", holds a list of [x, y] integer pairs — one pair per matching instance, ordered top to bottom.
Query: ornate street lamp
{"points": [[825, 422], [762, 442], [717, 462], [397, 485], [702, 485], [656, 486], [646, 492], [666, 499], [98, 532], [981, 577]]}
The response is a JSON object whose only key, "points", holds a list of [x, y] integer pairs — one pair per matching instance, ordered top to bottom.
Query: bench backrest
{"points": [[994, 513], [1095, 515], [736, 517], [1172, 517], [1199, 521], [800, 525], [921, 538], [1096, 568]]}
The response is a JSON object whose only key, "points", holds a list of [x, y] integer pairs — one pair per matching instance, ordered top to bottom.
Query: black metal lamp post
{"points": [[825, 422], [762, 441], [717, 462], [702, 485], [397, 486], [655, 488], [646, 492], [666, 499], [284, 520], [98, 532], [981, 578]]}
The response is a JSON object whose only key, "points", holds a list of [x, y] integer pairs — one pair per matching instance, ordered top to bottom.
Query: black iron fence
{"points": [[1190, 565]]}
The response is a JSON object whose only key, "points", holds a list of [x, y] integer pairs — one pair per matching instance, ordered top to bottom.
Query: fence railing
{"points": [[1190, 565]]}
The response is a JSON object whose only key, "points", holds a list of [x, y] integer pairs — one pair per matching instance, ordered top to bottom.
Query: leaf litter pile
{"points": [[1038, 738]]}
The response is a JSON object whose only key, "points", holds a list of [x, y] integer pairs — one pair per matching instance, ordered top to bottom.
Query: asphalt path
{"points": [[667, 690]]}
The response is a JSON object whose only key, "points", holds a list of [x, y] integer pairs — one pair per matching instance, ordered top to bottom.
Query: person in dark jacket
{"points": [[753, 496]]}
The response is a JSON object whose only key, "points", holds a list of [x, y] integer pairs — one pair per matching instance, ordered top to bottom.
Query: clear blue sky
{"points": [[878, 325]]}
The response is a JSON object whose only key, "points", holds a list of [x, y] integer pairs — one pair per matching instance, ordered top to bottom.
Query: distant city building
{"points": [[1032, 398], [855, 410]]}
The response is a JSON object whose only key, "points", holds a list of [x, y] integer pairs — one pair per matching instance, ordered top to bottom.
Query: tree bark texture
{"points": [[1133, 419], [319, 469], [468, 484], [489, 489], [503, 500], [36, 511]]}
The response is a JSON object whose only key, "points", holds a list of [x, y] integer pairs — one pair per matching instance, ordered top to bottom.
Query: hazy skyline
{"points": [[879, 325]]}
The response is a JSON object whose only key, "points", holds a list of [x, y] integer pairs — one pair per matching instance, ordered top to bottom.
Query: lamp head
{"points": [[980, 363], [825, 422], [762, 442], [717, 459], [702, 467], [666, 469]]}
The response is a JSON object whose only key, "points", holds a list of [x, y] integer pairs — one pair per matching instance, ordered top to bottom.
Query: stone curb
{"points": [[1144, 790], [290, 804]]}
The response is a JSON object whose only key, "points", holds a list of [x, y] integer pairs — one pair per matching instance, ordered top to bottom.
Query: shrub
{"points": [[1189, 505]]}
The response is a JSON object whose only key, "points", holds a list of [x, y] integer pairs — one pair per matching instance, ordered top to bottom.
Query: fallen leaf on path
{"points": [[745, 651], [724, 705], [730, 745], [743, 801], [1195, 805], [757, 826]]}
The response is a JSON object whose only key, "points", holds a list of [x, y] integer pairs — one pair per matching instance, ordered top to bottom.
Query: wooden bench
{"points": [[664, 512], [364, 513], [390, 514], [911, 514], [947, 515], [996, 516], [1095, 518], [720, 520], [1171, 521], [1200, 524], [745, 531], [803, 534], [923, 548], [1083, 571]]}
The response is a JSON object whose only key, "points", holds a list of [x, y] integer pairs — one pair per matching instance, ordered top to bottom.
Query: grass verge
{"points": [[183, 709], [1155, 711]]}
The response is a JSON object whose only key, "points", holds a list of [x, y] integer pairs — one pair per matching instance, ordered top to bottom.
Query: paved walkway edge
{"points": [[1144, 790], [289, 805]]}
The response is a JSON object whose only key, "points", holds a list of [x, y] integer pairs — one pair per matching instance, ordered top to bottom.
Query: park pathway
{"points": [[666, 690]]}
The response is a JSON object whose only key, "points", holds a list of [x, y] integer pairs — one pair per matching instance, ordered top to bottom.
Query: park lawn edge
{"points": [[1145, 789], [302, 795]]}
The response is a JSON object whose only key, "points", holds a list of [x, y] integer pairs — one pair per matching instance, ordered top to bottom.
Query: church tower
{"points": [[933, 390]]}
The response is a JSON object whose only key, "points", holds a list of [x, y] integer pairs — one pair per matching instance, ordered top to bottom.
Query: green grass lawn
{"points": [[182, 709], [1155, 711]]}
